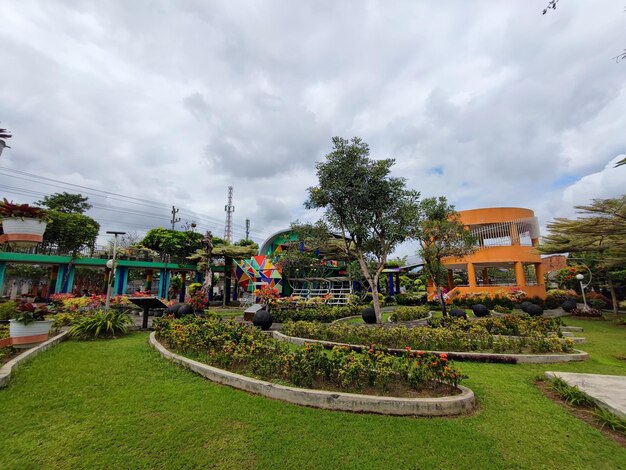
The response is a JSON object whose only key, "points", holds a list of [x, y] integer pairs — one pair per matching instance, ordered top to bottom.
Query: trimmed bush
{"points": [[524, 305], [568, 305], [480, 310], [534, 310], [324, 313], [458, 313], [408, 314], [369, 315], [457, 335]]}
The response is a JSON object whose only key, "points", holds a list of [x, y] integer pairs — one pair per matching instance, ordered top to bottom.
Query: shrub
{"points": [[556, 297], [411, 299], [598, 300], [502, 309], [8, 310], [589, 312], [324, 313], [408, 314], [102, 324], [454, 335], [246, 350]]}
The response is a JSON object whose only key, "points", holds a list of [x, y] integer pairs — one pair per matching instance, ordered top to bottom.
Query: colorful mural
{"points": [[258, 270]]}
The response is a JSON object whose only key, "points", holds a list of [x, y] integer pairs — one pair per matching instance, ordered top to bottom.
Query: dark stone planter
{"points": [[568, 305], [524, 306], [480, 310], [534, 310], [458, 313], [369, 315], [262, 319]]}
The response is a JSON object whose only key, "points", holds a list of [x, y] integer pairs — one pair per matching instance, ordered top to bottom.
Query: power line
{"points": [[108, 197], [213, 222]]}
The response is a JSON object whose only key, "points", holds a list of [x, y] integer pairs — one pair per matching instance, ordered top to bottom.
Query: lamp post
{"points": [[111, 266], [580, 277]]}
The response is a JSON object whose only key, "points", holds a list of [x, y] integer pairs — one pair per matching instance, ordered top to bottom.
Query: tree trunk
{"points": [[228, 265], [372, 282], [609, 283], [443, 302]]}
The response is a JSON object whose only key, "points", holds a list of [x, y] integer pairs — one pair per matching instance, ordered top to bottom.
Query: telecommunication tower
{"points": [[229, 208]]}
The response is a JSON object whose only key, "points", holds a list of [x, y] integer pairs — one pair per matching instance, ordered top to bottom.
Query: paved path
{"points": [[608, 391]]}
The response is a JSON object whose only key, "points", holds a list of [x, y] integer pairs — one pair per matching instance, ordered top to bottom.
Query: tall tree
{"points": [[66, 203], [373, 212], [71, 232], [441, 234], [598, 234], [172, 242]]}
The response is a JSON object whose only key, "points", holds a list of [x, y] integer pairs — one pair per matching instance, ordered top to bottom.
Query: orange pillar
{"points": [[539, 273], [471, 275], [485, 277], [520, 279], [450, 280]]}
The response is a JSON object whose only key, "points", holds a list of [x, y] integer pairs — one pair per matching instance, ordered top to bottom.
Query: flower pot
{"points": [[23, 232], [262, 319], [36, 328]]}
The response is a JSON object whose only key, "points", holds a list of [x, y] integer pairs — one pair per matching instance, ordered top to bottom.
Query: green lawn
{"points": [[118, 404]]}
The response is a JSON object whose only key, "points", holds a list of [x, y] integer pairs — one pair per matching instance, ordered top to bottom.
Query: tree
{"points": [[4, 134], [66, 202], [372, 211], [71, 232], [441, 234], [599, 236], [128, 240], [172, 242]]}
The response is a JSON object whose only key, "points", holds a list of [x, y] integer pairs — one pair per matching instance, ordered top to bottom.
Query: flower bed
{"points": [[71, 303], [323, 313], [401, 314], [509, 325], [428, 338], [246, 350]]}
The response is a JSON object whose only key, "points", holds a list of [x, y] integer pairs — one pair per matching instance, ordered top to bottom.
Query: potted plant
{"points": [[22, 224], [268, 297], [29, 321]]}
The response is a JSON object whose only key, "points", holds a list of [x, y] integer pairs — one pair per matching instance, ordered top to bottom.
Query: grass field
{"points": [[118, 404]]}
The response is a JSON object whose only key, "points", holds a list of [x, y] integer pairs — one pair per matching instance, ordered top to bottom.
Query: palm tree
{"points": [[4, 134]]}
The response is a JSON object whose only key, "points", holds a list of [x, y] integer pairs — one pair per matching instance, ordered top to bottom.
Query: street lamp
{"points": [[111, 266], [580, 277]]}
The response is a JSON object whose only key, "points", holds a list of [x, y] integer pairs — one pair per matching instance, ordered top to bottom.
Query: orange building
{"points": [[505, 255]]}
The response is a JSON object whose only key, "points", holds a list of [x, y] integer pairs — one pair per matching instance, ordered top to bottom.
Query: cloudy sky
{"points": [[488, 103]]}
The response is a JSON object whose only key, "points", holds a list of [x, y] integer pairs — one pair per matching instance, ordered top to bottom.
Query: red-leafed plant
{"points": [[22, 211]]}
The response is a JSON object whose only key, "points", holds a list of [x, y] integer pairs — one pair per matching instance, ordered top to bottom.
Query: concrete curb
{"points": [[460, 355], [8, 368], [445, 406]]}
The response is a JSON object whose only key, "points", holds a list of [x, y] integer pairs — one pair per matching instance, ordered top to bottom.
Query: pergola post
{"points": [[471, 275], [520, 279]]}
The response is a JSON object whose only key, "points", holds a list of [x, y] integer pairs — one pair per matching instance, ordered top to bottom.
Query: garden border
{"points": [[458, 355], [7, 369], [340, 401]]}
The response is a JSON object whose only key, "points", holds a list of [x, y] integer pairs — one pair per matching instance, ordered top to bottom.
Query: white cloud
{"points": [[488, 104]]}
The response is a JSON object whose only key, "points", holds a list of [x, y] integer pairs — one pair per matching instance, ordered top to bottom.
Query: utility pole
{"points": [[229, 208], [174, 218], [247, 229], [111, 264]]}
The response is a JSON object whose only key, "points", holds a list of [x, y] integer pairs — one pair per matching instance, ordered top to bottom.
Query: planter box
{"points": [[23, 232], [35, 329]]}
